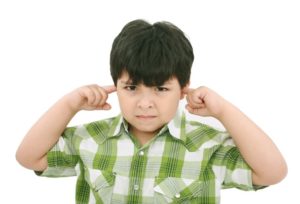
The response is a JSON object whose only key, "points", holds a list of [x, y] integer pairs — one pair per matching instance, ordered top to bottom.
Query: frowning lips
{"points": [[145, 116]]}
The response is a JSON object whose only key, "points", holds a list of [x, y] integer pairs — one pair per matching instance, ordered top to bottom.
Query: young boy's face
{"points": [[147, 109]]}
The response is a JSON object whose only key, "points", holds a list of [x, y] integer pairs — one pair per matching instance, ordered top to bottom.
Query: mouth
{"points": [[145, 117]]}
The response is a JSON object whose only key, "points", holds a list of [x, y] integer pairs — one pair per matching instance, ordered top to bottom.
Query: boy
{"points": [[151, 153]]}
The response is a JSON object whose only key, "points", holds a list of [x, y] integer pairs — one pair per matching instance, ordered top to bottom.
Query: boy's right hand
{"points": [[90, 97]]}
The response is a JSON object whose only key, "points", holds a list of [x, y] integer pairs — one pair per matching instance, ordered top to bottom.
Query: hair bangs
{"points": [[151, 54], [150, 64]]}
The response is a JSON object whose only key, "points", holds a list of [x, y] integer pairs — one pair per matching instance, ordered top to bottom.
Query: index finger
{"points": [[109, 89], [187, 90]]}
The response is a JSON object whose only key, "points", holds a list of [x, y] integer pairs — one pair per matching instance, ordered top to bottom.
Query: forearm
{"points": [[44, 134], [256, 147]]}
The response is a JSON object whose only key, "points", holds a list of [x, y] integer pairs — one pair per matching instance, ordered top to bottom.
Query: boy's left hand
{"points": [[203, 101]]}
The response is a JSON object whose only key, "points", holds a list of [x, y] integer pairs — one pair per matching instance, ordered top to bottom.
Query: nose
{"points": [[145, 101]]}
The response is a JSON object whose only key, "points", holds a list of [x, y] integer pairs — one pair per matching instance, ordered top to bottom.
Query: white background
{"points": [[248, 51]]}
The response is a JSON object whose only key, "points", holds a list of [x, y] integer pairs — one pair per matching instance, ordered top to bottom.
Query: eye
{"points": [[130, 88], [160, 89]]}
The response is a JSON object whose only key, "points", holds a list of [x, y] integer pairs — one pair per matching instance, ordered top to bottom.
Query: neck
{"points": [[143, 137]]}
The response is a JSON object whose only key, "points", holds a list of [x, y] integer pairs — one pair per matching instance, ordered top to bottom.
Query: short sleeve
{"points": [[62, 158], [231, 169]]}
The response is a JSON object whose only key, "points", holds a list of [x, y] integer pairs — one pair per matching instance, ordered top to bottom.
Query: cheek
{"points": [[124, 102], [169, 107]]}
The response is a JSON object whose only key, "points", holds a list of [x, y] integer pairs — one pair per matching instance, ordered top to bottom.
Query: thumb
{"points": [[106, 106]]}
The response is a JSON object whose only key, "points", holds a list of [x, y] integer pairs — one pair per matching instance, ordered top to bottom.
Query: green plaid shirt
{"points": [[186, 162]]}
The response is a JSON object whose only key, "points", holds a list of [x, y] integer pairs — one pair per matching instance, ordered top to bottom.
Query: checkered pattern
{"points": [[186, 162]]}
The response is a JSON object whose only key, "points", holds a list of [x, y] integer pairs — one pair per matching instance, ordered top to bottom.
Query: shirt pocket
{"points": [[101, 183], [179, 190]]}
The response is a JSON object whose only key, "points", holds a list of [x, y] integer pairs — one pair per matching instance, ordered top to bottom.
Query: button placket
{"points": [[137, 159]]}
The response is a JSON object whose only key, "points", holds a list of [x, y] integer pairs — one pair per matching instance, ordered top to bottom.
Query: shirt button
{"points": [[141, 153], [136, 187], [177, 195]]}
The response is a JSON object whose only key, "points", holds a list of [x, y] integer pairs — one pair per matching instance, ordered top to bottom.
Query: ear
{"points": [[184, 90]]}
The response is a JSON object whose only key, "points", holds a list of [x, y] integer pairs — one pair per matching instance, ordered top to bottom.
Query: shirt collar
{"points": [[121, 124], [176, 127]]}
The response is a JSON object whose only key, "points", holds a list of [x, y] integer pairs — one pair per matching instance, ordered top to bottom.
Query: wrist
{"points": [[70, 104], [226, 110]]}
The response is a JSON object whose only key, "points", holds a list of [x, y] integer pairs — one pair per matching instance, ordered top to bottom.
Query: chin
{"points": [[154, 129], [149, 130]]}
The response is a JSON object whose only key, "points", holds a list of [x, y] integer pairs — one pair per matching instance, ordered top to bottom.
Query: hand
{"points": [[91, 97], [204, 102]]}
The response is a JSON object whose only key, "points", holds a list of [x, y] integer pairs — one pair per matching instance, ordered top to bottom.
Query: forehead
{"points": [[125, 79]]}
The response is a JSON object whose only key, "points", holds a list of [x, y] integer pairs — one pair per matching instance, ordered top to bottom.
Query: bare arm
{"points": [[47, 130], [256, 147], [258, 150]]}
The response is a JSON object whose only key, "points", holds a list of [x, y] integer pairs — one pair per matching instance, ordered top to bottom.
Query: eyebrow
{"points": [[128, 82], [167, 83]]}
